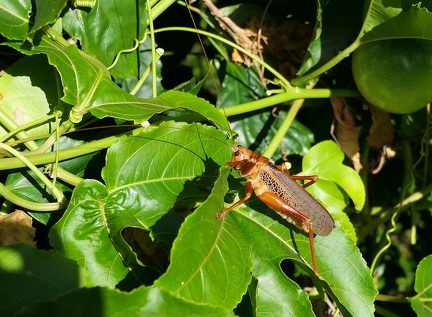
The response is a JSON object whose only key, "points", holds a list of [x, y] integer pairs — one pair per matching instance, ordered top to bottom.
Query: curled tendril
{"points": [[126, 50]]}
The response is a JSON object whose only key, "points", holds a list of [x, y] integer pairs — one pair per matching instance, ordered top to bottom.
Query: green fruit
{"points": [[395, 75]]}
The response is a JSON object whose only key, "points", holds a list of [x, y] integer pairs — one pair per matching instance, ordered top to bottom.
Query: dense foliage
{"points": [[114, 136]]}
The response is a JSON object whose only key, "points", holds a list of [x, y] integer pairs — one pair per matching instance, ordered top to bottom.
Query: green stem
{"points": [[159, 8], [55, 36], [153, 51], [159, 53], [333, 62], [298, 93], [12, 126], [25, 127], [283, 129], [48, 158], [67, 177], [56, 192], [16, 200], [393, 299]]}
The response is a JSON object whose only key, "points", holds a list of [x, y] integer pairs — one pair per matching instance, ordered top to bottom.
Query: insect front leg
{"points": [[249, 190], [282, 207]]}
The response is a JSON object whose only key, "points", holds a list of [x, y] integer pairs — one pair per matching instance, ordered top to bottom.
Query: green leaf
{"points": [[47, 12], [14, 19], [384, 22], [103, 34], [41, 74], [170, 100], [23, 103], [174, 159], [325, 159], [83, 234], [209, 256], [29, 276], [275, 293], [98, 301], [422, 303]]}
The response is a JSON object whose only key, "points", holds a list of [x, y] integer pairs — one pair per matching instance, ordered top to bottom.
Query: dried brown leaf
{"points": [[381, 131], [347, 133], [15, 228]]}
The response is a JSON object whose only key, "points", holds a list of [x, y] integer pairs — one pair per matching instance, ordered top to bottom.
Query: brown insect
{"points": [[279, 190]]}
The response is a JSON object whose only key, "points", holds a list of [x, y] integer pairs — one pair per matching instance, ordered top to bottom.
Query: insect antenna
{"points": [[212, 74]]}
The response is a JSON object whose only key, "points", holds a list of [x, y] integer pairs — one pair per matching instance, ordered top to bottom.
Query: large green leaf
{"points": [[14, 19], [106, 29], [209, 256], [29, 276], [422, 303]]}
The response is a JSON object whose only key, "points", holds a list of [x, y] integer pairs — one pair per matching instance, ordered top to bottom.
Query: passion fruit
{"points": [[395, 75]]}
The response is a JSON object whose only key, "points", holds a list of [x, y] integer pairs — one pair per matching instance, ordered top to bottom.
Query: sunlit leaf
{"points": [[14, 19], [23, 103], [325, 160], [82, 234], [422, 302]]}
